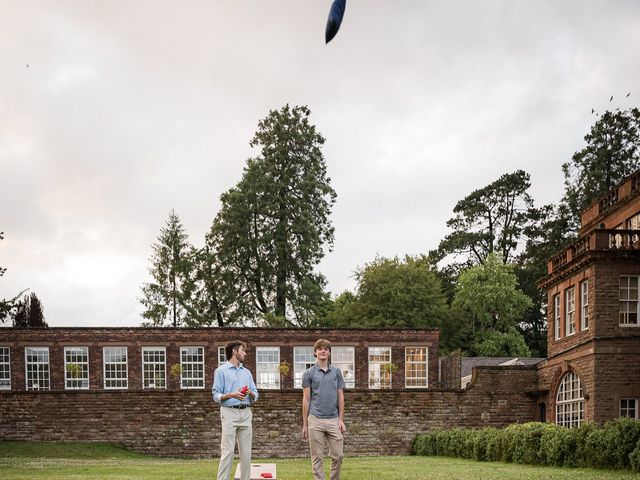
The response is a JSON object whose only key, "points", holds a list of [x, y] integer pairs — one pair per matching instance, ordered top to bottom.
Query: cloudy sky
{"points": [[112, 113]]}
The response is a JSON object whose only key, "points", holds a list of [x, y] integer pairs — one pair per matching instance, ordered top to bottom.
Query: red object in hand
{"points": [[244, 390], [266, 475]]}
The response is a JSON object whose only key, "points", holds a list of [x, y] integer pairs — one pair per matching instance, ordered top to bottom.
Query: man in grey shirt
{"points": [[323, 411]]}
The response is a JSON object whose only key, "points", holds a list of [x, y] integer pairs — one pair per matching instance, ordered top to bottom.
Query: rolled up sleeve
{"points": [[218, 386]]}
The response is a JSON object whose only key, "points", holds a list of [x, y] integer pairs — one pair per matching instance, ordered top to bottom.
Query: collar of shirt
{"points": [[231, 365], [317, 367]]}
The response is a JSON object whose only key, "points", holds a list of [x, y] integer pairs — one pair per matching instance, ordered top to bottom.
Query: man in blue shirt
{"points": [[235, 391], [323, 411]]}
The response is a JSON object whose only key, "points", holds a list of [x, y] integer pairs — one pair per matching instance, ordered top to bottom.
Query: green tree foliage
{"points": [[612, 152], [491, 219], [273, 227], [392, 292], [489, 293], [166, 298], [7, 306], [29, 313], [500, 344]]}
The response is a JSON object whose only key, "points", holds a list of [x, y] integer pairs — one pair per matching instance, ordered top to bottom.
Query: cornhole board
{"points": [[257, 469]]}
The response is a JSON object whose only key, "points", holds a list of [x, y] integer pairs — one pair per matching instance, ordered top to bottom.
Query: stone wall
{"points": [[186, 423]]}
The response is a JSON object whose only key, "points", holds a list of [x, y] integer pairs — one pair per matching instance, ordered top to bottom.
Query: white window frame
{"points": [[628, 301], [584, 305], [570, 311], [557, 316], [222, 355], [344, 358], [303, 359], [5, 367], [156, 367], [268, 368], [42, 369], [378, 377], [118, 379], [192, 381], [412, 381], [82, 382], [570, 401], [630, 408]]}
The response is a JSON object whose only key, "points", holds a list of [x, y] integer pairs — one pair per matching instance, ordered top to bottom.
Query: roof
{"points": [[469, 362]]}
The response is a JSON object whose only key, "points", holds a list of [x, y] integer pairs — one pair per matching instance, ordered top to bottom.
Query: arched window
{"points": [[570, 401]]}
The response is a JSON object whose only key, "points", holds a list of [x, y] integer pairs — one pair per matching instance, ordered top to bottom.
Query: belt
{"points": [[241, 407]]}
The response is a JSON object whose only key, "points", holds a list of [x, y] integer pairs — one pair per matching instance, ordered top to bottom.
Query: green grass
{"points": [[55, 461]]}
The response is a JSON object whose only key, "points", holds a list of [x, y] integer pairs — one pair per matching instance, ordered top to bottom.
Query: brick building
{"points": [[592, 372], [123, 389]]}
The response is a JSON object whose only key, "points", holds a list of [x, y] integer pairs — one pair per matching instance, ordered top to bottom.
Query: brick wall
{"points": [[186, 423]]}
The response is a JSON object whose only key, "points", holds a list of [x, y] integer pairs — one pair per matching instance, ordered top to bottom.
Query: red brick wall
{"points": [[186, 423]]}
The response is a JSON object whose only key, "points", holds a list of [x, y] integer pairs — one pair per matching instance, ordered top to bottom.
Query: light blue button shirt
{"points": [[229, 378]]}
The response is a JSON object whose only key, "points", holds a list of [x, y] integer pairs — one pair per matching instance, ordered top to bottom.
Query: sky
{"points": [[113, 113]]}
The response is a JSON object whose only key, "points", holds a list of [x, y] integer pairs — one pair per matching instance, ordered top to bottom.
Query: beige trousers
{"points": [[236, 425], [321, 432]]}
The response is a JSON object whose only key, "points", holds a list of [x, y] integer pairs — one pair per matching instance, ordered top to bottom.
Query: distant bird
{"points": [[335, 19], [28, 67], [628, 94], [611, 98]]}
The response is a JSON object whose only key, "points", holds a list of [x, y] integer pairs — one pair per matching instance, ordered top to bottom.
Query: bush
{"points": [[613, 445]]}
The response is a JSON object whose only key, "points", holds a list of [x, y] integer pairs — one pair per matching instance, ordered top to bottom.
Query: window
{"points": [[634, 222], [628, 300], [584, 304], [570, 311], [556, 316], [222, 356], [343, 358], [302, 360], [192, 362], [115, 367], [154, 367], [267, 367], [379, 367], [37, 368], [76, 368], [5, 369], [415, 370], [570, 402], [629, 407]]}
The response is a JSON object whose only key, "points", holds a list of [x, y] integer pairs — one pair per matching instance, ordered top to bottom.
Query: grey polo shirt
{"points": [[324, 390]]}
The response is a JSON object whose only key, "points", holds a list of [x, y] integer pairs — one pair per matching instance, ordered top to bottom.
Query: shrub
{"points": [[634, 458]]}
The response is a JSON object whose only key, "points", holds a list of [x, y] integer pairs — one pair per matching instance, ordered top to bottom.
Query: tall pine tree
{"points": [[274, 228], [166, 298]]}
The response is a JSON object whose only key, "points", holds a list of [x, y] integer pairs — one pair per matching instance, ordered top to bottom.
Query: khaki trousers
{"points": [[236, 425], [321, 432]]}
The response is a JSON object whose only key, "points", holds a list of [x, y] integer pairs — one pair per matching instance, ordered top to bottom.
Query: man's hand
{"points": [[237, 395], [342, 427], [305, 433]]}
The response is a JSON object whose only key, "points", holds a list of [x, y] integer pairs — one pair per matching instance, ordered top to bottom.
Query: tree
{"points": [[612, 153], [491, 219], [273, 227], [206, 289], [393, 292], [489, 292], [166, 298], [7, 306], [29, 313], [500, 344]]}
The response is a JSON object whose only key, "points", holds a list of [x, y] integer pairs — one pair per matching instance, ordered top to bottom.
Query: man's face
{"points": [[323, 353], [240, 354]]}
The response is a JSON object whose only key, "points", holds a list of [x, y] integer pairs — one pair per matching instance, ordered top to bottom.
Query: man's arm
{"points": [[306, 397], [341, 410]]}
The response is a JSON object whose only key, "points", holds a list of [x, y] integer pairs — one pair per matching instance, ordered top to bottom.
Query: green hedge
{"points": [[614, 445]]}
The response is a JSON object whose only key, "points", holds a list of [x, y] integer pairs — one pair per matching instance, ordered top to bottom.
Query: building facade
{"points": [[592, 372]]}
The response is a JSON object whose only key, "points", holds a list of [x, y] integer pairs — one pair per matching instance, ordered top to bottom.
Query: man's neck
{"points": [[234, 361], [323, 364]]}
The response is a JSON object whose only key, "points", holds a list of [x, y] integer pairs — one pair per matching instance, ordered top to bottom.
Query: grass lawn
{"points": [[54, 461]]}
